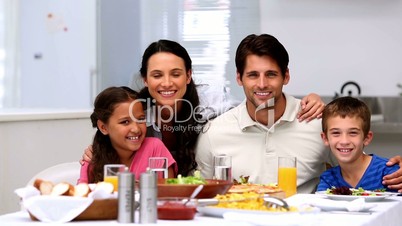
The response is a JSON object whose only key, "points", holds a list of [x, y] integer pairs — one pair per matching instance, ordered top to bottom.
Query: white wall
{"points": [[334, 41], [331, 42], [118, 52], [57, 53], [385, 144], [27, 147]]}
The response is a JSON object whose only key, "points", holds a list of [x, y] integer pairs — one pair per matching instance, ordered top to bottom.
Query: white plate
{"points": [[375, 198], [333, 205], [218, 212]]}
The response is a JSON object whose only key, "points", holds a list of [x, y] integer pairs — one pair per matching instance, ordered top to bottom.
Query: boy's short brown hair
{"points": [[350, 107]]}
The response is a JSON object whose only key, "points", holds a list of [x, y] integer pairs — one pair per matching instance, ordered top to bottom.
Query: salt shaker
{"points": [[148, 197], [126, 200]]}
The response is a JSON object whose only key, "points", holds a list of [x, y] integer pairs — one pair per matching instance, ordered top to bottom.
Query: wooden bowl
{"points": [[210, 190], [102, 209]]}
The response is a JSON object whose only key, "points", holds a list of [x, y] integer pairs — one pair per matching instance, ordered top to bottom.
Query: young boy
{"points": [[346, 130]]}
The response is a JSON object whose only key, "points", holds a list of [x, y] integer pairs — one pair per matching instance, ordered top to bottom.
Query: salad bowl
{"points": [[210, 190]]}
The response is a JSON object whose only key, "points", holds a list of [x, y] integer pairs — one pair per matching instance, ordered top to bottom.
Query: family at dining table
{"points": [[267, 124]]}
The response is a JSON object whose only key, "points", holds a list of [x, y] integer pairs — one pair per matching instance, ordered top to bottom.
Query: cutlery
{"points": [[196, 191], [276, 203]]}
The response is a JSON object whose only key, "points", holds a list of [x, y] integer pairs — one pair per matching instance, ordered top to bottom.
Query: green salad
{"points": [[195, 179], [353, 191]]}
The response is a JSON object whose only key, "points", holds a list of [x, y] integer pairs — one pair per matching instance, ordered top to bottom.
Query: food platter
{"points": [[259, 188], [272, 190], [377, 196], [250, 203], [219, 212]]}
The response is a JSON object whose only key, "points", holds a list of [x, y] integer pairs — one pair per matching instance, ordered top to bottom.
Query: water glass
{"points": [[159, 165], [223, 167], [287, 175]]}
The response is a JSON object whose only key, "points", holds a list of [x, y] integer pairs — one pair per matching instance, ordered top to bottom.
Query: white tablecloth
{"points": [[387, 212]]}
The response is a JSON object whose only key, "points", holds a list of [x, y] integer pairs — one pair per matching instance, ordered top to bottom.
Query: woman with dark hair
{"points": [[166, 70]]}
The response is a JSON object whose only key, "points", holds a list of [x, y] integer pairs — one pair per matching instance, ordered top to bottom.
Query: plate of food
{"points": [[242, 185], [348, 194], [248, 202], [219, 212]]}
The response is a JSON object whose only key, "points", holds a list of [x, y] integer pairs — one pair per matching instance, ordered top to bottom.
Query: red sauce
{"points": [[175, 211]]}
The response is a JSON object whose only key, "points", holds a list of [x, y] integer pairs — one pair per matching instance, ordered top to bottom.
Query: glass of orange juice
{"points": [[110, 173], [287, 175]]}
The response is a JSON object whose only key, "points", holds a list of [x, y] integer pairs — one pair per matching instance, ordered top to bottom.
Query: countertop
{"points": [[8, 115]]}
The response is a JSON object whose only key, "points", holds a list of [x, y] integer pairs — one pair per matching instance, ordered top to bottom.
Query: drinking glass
{"points": [[159, 165], [223, 167], [110, 173], [287, 175]]}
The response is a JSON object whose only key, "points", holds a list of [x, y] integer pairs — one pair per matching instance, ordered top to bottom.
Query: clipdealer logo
{"points": [[271, 111], [162, 123]]}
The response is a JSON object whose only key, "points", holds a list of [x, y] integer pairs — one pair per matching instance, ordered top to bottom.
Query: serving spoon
{"points": [[196, 191], [276, 203]]}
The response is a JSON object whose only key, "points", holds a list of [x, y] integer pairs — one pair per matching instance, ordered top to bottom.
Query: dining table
{"points": [[387, 211]]}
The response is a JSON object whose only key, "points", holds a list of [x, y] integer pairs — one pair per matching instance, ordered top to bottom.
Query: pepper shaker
{"points": [[148, 197], [126, 200]]}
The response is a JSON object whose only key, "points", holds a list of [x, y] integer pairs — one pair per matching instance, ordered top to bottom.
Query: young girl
{"points": [[120, 137]]}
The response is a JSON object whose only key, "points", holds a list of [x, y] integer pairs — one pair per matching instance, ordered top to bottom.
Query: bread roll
{"points": [[37, 183], [106, 186], [45, 187], [63, 188], [81, 190]]}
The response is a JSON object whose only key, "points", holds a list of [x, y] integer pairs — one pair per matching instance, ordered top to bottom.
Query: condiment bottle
{"points": [[148, 197], [126, 200]]}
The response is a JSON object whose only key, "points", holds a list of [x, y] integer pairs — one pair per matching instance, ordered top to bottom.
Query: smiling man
{"points": [[265, 125]]}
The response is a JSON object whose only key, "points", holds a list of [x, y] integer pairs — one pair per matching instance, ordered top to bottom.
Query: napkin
{"points": [[27, 192], [58, 209]]}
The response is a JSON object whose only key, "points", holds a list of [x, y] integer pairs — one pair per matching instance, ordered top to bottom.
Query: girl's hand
{"points": [[311, 107], [87, 156]]}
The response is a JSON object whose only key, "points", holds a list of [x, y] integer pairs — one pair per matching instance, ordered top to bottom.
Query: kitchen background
{"points": [[62, 53]]}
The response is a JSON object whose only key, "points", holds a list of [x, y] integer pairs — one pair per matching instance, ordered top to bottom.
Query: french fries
{"points": [[246, 201]]}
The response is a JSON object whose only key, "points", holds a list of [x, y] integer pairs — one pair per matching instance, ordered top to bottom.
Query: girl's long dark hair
{"points": [[103, 151], [184, 153]]}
